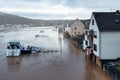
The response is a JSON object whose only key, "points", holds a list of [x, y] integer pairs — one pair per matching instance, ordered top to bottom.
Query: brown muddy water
{"points": [[67, 64]]}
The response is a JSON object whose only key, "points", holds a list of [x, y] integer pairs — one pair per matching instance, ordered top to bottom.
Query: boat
{"points": [[14, 48], [27, 49]]}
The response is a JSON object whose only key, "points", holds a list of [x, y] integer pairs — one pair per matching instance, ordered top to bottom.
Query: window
{"points": [[92, 22], [75, 28], [86, 32], [78, 33], [95, 34], [86, 42], [95, 47]]}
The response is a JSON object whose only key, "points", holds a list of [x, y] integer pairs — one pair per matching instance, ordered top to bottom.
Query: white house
{"points": [[105, 28]]}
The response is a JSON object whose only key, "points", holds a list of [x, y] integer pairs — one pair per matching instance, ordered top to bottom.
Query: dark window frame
{"points": [[93, 22], [86, 32], [86, 42], [95, 47]]}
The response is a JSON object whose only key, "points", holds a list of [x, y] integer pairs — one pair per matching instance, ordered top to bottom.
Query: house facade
{"points": [[76, 28], [101, 40]]}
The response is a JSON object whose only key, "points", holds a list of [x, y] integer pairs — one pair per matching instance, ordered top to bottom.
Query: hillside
{"points": [[14, 19]]}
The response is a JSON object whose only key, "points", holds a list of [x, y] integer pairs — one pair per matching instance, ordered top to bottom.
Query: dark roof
{"points": [[107, 21], [70, 22], [86, 23]]}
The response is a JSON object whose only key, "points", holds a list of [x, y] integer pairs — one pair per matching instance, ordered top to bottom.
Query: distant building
{"points": [[67, 24], [75, 27], [60, 28], [101, 40]]}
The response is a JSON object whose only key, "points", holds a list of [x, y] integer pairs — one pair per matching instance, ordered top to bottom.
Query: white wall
{"points": [[67, 28], [85, 39], [95, 40], [84, 44], [110, 45]]}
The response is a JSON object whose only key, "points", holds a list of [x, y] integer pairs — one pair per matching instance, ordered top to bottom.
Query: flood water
{"points": [[68, 63]]}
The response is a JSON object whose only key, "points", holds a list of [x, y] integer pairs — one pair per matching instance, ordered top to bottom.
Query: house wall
{"points": [[79, 28], [86, 38], [95, 40], [84, 41], [110, 45], [84, 46]]}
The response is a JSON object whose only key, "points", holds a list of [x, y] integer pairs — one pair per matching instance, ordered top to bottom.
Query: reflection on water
{"points": [[13, 63]]}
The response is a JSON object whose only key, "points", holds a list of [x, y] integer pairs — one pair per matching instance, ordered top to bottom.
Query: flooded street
{"points": [[68, 63]]}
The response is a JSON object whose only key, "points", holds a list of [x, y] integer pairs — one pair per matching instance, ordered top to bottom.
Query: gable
{"points": [[77, 24], [95, 26]]}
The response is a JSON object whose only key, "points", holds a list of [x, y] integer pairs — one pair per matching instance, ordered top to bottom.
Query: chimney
{"points": [[117, 12]]}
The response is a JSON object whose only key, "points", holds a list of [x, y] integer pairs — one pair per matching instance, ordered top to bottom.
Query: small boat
{"points": [[14, 48], [27, 49], [37, 49]]}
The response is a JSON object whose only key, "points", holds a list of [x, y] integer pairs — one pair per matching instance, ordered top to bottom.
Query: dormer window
{"points": [[93, 22]]}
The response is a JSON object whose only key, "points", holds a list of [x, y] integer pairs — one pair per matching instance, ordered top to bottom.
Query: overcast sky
{"points": [[57, 9]]}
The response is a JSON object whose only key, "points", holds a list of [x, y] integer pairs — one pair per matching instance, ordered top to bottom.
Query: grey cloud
{"points": [[77, 3], [92, 5]]}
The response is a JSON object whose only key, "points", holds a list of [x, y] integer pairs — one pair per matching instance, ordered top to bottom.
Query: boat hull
{"points": [[13, 52]]}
